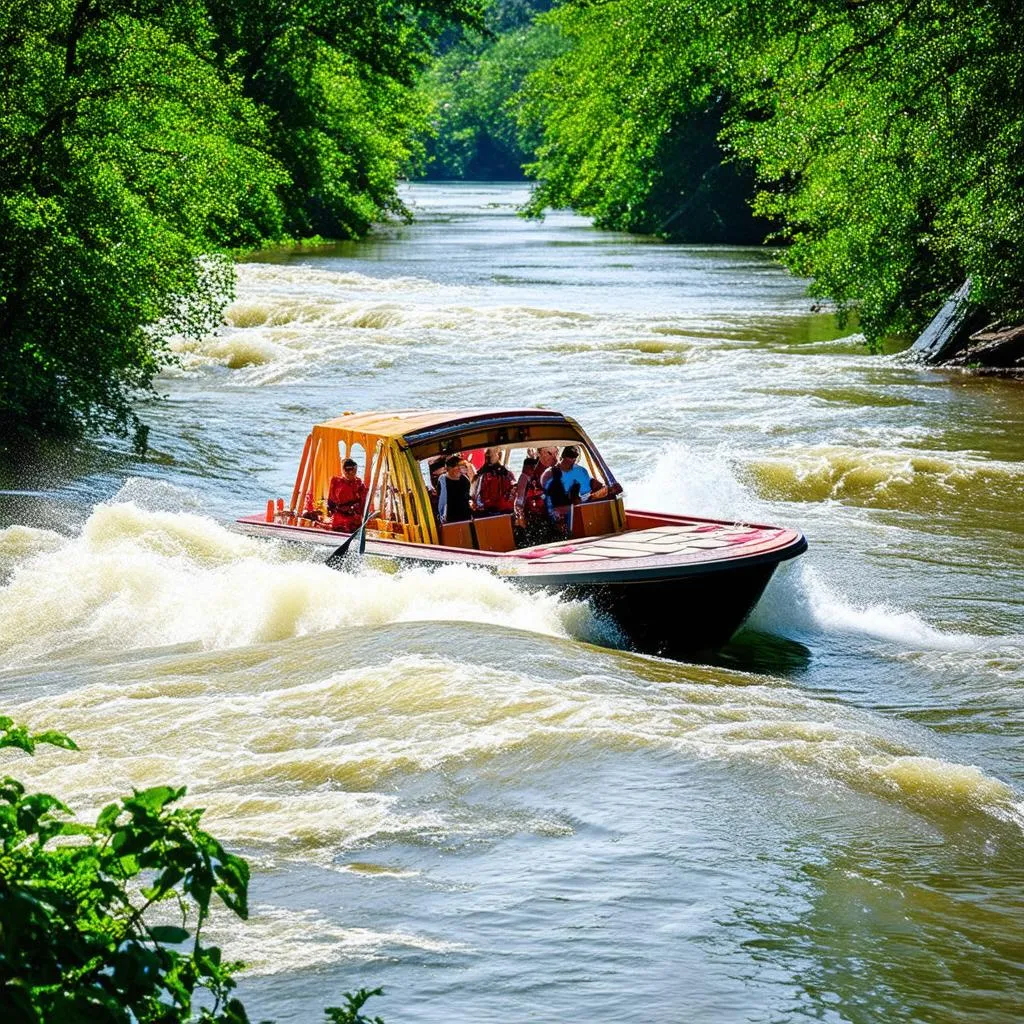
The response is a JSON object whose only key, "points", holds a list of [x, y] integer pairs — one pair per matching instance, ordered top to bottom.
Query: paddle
{"points": [[337, 557]]}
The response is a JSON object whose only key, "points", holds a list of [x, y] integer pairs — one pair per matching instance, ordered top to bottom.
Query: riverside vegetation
{"points": [[881, 140], [143, 143], [103, 923]]}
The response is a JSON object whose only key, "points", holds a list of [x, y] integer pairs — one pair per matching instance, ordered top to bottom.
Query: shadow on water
{"points": [[751, 650]]}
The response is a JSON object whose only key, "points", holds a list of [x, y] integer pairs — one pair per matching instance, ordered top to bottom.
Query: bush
{"points": [[84, 910]]}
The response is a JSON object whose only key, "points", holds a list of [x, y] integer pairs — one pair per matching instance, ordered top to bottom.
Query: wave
{"points": [[886, 478], [147, 578], [799, 600], [309, 756]]}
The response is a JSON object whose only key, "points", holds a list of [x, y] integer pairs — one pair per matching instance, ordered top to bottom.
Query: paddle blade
{"points": [[335, 559]]}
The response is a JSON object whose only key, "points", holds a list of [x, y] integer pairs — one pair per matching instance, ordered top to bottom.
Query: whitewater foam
{"points": [[150, 578]]}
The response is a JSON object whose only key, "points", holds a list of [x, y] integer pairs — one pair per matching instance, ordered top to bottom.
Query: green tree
{"points": [[335, 79], [474, 89], [629, 117], [886, 137], [889, 137], [141, 142], [125, 156]]}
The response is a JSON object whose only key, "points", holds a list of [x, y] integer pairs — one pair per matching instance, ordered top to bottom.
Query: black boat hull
{"points": [[676, 617]]}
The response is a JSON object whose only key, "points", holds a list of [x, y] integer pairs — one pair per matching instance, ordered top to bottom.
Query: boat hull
{"points": [[672, 585], [682, 616]]}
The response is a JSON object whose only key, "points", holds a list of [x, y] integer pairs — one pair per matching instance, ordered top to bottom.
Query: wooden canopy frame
{"points": [[394, 442]]}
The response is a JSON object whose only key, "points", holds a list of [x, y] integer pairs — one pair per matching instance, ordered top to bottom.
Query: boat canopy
{"points": [[389, 446]]}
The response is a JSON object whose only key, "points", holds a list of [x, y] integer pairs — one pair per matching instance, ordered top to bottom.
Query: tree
{"points": [[335, 79], [474, 89], [629, 117], [886, 137], [889, 138], [141, 142], [125, 156]]}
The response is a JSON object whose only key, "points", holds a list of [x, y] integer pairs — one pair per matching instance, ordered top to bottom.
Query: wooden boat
{"points": [[674, 584]]}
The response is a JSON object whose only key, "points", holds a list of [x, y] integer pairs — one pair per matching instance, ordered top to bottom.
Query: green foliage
{"points": [[334, 79], [474, 90], [629, 116], [886, 137], [889, 137], [140, 139], [125, 156], [84, 924], [102, 924], [349, 1013]]}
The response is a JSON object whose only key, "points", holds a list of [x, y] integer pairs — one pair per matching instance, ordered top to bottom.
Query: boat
{"points": [[674, 584]]}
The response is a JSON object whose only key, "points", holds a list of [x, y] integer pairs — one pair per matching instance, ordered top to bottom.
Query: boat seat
{"points": [[595, 518], [494, 533], [457, 535]]}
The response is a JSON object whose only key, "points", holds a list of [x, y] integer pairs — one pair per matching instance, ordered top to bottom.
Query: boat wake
{"points": [[144, 577], [800, 601], [312, 760]]}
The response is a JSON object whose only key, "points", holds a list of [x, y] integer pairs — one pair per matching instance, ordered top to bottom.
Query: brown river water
{"points": [[467, 794]]}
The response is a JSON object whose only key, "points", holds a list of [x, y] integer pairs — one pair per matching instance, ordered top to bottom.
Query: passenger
{"points": [[548, 457], [436, 468], [467, 468], [568, 484], [492, 488], [453, 496], [346, 499], [531, 524]]}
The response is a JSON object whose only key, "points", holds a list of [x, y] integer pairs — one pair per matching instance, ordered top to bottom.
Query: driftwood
{"points": [[951, 329], [960, 336], [995, 347]]}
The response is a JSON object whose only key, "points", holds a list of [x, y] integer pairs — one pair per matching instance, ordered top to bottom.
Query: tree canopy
{"points": [[475, 92], [629, 118], [884, 136], [141, 142]]}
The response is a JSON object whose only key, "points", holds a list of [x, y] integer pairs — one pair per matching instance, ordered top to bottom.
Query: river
{"points": [[459, 791]]}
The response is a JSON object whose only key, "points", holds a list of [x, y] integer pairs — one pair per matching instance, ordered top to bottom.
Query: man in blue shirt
{"points": [[567, 484]]}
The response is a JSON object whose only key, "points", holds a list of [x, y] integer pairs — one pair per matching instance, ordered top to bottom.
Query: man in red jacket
{"points": [[346, 498]]}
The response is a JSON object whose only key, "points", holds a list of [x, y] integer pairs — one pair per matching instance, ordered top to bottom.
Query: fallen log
{"points": [[951, 329]]}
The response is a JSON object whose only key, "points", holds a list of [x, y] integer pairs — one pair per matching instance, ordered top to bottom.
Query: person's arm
{"points": [[521, 490], [442, 497]]}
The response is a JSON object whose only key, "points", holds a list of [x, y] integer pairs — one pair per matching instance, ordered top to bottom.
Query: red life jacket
{"points": [[495, 491], [346, 497], [533, 497]]}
